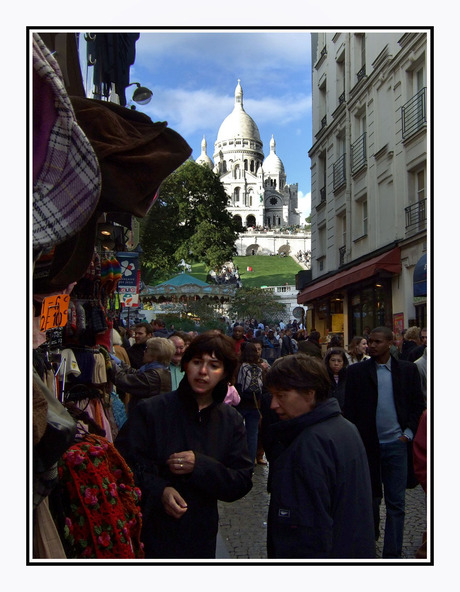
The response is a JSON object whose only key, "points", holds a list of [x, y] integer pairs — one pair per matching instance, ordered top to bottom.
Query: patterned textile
{"points": [[67, 189], [103, 518]]}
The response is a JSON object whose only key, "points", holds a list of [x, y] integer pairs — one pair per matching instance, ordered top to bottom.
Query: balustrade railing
{"points": [[413, 114]]}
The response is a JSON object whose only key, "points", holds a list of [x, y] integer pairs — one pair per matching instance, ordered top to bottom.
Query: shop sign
{"points": [[129, 300], [54, 312], [398, 323]]}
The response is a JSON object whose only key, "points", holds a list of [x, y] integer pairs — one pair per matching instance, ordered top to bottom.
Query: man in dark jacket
{"points": [[142, 332], [286, 343], [311, 346], [383, 398], [320, 504]]}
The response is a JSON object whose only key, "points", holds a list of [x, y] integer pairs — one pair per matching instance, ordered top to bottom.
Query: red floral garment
{"points": [[103, 517]]}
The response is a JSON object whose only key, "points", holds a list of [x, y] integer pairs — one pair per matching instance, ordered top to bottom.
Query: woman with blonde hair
{"points": [[357, 350], [152, 378]]}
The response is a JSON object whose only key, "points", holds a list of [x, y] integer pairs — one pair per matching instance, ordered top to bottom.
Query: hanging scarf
{"points": [[103, 518]]}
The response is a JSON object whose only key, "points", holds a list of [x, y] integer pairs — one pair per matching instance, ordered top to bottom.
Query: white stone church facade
{"points": [[256, 186]]}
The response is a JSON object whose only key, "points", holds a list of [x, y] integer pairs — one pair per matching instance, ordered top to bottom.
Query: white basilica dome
{"points": [[238, 124], [204, 158], [272, 164]]}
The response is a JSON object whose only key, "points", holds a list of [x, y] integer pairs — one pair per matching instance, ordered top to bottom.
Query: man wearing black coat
{"points": [[142, 332], [383, 398]]}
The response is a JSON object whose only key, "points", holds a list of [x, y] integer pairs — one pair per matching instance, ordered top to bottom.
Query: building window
{"points": [[361, 57], [341, 78], [359, 147], [339, 172], [236, 194], [416, 211], [365, 219], [360, 220], [370, 306]]}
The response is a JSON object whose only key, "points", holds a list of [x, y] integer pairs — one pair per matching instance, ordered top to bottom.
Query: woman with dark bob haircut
{"points": [[300, 372], [188, 450]]}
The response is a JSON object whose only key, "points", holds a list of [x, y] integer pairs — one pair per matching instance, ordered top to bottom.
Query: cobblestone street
{"points": [[243, 524]]}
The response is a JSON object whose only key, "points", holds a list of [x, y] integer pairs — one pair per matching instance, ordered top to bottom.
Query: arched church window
{"points": [[245, 165], [252, 166], [236, 194]]}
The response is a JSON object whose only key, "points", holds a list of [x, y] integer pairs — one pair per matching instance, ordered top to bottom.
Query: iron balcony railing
{"points": [[361, 73], [413, 114], [358, 154], [339, 172], [416, 215], [342, 251]]}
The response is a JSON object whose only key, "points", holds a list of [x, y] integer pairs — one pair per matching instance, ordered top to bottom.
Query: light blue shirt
{"points": [[176, 376], [388, 428]]}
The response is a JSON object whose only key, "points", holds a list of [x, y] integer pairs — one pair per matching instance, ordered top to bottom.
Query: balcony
{"points": [[361, 73], [413, 114], [323, 126], [358, 154], [339, 172], [416, 216], [342, 251]]}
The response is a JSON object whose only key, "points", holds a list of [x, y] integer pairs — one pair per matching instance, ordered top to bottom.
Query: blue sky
{"points": [[193, 74]]}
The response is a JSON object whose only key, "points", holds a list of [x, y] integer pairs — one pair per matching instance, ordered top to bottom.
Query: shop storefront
{"points": [[357, 298]]}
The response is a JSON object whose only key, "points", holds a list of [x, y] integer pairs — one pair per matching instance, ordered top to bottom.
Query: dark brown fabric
{"points": [[135, 154]]}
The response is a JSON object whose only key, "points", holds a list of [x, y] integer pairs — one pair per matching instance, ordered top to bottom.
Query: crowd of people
{"points": [[228, 274], [338, 428], [338, 431]]}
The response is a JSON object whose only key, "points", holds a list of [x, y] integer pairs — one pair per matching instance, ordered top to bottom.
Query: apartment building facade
{"points": [[370, 178]]}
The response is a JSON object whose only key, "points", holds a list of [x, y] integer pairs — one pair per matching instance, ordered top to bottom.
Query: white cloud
{"points": [[204, 110], [189, 111], [304, 204]]}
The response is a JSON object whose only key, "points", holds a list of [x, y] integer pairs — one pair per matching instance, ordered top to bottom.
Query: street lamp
{"points": [[142, 95]]}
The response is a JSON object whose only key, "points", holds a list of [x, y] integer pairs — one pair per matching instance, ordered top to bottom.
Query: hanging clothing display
{"points": [[91, 159], [101, 502]]}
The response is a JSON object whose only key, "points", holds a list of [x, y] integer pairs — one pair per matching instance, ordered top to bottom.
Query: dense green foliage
{"points": [[188, 221], [257, 303]]}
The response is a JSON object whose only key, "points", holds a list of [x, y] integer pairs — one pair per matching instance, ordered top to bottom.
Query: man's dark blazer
{"points": [[361, 394]]}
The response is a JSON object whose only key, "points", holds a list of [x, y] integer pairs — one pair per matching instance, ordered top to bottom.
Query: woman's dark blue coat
{"points": [[321, 501]]}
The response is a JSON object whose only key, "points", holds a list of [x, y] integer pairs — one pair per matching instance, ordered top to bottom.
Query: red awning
{"points": [[389, 261]]}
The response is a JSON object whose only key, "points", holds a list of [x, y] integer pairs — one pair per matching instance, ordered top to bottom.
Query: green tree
{"points": [[189, 221], [257, 303]]}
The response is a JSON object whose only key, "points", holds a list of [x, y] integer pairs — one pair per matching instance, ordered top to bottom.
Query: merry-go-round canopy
{"points": [[184, 284]]}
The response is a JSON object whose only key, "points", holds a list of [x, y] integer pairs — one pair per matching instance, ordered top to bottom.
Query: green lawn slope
{"points": [[266, 270]]}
